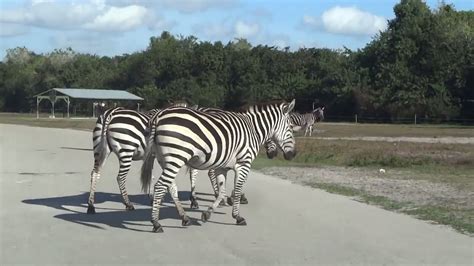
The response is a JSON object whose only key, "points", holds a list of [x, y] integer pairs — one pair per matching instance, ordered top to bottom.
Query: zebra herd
{"points": [[200, 139]]}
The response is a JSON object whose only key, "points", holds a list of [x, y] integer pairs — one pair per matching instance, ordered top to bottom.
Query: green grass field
{"points": [[448, 164]]}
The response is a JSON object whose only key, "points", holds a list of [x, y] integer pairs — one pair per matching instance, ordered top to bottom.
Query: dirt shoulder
{"points": [[401, 189]]}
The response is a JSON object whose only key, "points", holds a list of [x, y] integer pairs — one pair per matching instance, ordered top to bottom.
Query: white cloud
{"points": [[184, 6], [190, 6], [93, 15], [119, 19], [347, 20], [246, 29], [11, 30]]}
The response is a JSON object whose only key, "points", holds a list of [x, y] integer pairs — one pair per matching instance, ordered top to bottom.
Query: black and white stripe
{"points": [[307, 120], [122, 132], [218, 141]]}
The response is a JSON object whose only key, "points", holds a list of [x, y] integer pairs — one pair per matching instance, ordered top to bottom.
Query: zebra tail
{"points": [[102, 147], [148, 159]]}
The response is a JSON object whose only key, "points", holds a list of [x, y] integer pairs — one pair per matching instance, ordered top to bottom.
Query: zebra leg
{"points": [[125, 163], [95, 175], [192, 176], [241, 176], [213, 178], [164, 183], [173, 189], [158, 192], [150, 195], [220, 197], [243, 198]]}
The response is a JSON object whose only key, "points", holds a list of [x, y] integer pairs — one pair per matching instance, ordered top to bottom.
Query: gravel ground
{"points": [[397, 186]]}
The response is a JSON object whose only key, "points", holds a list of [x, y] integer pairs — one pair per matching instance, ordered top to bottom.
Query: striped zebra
{"points": [[307, 120], [122, 132], [219, 141]]}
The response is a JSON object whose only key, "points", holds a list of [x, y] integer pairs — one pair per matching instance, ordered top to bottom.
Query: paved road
{"points": [[44, 183]]}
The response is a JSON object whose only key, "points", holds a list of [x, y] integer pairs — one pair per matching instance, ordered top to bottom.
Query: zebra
{"points": [[307, 120], [122, 132], [220, 141], [270, 149]]}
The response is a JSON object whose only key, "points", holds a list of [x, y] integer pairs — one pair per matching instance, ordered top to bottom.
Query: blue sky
{"points": [[114, 27]]}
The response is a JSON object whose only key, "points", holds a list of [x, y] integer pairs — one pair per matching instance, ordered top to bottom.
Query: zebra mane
{"points": [[248, 107]]}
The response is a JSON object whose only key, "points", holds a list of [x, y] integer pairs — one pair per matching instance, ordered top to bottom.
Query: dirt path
{"points": [[395, 185]]}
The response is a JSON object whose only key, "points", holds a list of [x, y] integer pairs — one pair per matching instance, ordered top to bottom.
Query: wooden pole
{"points": [[37, 108]]}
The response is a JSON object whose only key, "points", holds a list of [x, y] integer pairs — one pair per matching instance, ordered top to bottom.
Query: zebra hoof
{"points": [[243, 199], [230, 201], [222, 203], [194, 204], [129, 208], [91, 209], [205, 216], [185, 221], [240, 221], [157, 229]]}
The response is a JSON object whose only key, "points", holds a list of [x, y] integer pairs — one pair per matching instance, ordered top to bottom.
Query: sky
{"points": [[116, 27]]}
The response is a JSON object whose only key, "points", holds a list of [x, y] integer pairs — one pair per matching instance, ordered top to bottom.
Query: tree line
{"points": [[421, 64]]}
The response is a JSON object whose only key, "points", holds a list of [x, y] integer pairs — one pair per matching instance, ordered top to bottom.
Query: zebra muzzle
{"points": [[289, 155]]}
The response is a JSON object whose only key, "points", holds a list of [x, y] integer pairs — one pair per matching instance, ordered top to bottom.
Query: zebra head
{"points": [[318, 114], [283, 135]]}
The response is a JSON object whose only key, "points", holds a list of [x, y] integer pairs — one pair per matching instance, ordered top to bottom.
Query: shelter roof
{"points": [[78, 93]]}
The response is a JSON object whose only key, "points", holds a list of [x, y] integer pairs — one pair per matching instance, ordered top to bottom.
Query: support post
{"points": [[68, 102], [37, 107], [138, 107], [52, 109], [356, 118], [415, 119]]}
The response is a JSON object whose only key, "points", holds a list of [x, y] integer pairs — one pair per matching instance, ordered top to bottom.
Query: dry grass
{"points": [[31, 120], [392, 130]]}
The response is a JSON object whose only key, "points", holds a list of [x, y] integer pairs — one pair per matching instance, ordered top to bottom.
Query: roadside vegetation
{"points": [[431, 181]]}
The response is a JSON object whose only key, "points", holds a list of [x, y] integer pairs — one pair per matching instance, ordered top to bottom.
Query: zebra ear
{"points": [[289, 107]]}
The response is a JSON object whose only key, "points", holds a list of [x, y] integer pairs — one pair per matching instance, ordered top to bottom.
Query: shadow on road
{"points": [[77, 149], [75, 208]]}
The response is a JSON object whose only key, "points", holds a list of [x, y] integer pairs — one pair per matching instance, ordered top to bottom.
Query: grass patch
{"points": [[31, 120], [392, 130], [377, 154], [459, 219]]}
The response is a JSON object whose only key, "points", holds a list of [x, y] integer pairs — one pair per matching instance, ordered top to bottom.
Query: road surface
{"points": [[44, 185]]}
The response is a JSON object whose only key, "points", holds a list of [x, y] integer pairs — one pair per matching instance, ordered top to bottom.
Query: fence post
{"points": [[356, 118], [415, 119]]}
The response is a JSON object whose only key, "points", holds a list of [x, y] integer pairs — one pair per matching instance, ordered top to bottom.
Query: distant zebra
{"points": [[307, 120], [122, 132], [218, 141]]}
